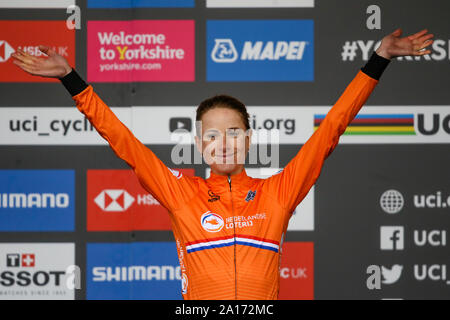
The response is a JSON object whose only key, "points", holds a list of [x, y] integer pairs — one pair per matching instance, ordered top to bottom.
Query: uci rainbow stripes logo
{"points": [[376, 124], [243, 240]]}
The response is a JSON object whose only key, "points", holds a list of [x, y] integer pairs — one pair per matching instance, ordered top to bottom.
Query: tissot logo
{"points": [[114, 200], [20, 260], [36, 271]]}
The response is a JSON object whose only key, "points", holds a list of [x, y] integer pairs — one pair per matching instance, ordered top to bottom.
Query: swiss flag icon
{"points": [[28, 260]]}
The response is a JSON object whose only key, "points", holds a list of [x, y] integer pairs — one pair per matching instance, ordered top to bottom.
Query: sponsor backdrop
{"points": [[383, 198]]}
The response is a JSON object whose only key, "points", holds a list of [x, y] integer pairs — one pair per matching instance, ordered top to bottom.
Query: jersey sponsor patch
{"points": [[212, 222]]}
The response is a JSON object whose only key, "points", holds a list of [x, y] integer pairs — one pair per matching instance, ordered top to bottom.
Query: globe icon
{"points": [[392, 201]]}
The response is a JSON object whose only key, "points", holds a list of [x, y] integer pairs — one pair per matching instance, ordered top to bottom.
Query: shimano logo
{"points": [[225, 51], [34, 200], [136, 273]]}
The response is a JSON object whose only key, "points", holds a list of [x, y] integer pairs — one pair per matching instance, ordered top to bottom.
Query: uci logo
{"points": [[224, 51], [212, 222]]}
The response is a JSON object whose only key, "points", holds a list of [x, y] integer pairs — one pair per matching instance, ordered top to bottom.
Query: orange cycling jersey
{"points": [[229, 230]]}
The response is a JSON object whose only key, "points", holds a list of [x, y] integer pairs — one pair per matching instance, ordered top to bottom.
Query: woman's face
{"points": [[225, 140]]}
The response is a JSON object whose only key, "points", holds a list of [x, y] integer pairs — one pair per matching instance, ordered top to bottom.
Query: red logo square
{"points": [[116, 201], [28, 260], [297, 271]]}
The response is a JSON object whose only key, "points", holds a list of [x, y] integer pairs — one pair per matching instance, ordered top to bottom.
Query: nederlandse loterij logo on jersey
{"points": [[260, 50], [114, 200], [212, 222], [184, 283]]}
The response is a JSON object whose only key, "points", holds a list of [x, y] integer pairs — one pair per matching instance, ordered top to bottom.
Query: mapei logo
{"points": [[260, 50], [5, 51], [225, 52], [114, 200], [212, 222]]}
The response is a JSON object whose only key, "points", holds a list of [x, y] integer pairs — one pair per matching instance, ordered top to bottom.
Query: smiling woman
{"points": [[224, 252]]}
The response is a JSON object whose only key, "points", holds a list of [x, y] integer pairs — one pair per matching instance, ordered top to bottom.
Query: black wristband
{"points": [[375, 67], [73, 83]]}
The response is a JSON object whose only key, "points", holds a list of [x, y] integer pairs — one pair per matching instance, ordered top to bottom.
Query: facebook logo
{"points": [[392, 238]]}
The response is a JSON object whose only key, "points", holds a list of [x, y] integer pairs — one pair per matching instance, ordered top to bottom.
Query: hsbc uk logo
{"points": [[5, 51], [114, 200], [20, 260]]}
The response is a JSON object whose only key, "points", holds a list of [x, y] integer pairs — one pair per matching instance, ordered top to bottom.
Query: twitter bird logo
{"points": [[392, 275]]}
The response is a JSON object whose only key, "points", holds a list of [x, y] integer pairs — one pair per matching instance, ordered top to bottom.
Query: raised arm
{"points": [[300, 174], [169, 187]]}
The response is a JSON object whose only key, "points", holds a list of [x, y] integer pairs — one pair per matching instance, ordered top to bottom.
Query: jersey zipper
{"points": [[234, 237]]}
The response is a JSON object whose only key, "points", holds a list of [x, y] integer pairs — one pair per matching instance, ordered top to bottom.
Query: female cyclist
{"points": [[218, 261]]}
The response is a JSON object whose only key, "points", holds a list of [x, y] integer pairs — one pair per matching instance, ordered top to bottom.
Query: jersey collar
{"points": [[238, 181]]}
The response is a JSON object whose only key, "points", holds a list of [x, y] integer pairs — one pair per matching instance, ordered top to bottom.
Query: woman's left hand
{"points": [[414, 45]]}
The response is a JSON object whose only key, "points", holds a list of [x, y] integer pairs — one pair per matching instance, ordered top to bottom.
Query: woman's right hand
{"points": [[53, 66]]}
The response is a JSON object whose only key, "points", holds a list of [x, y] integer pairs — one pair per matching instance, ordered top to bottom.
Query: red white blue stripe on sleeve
{"points": [[244, 240]]}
